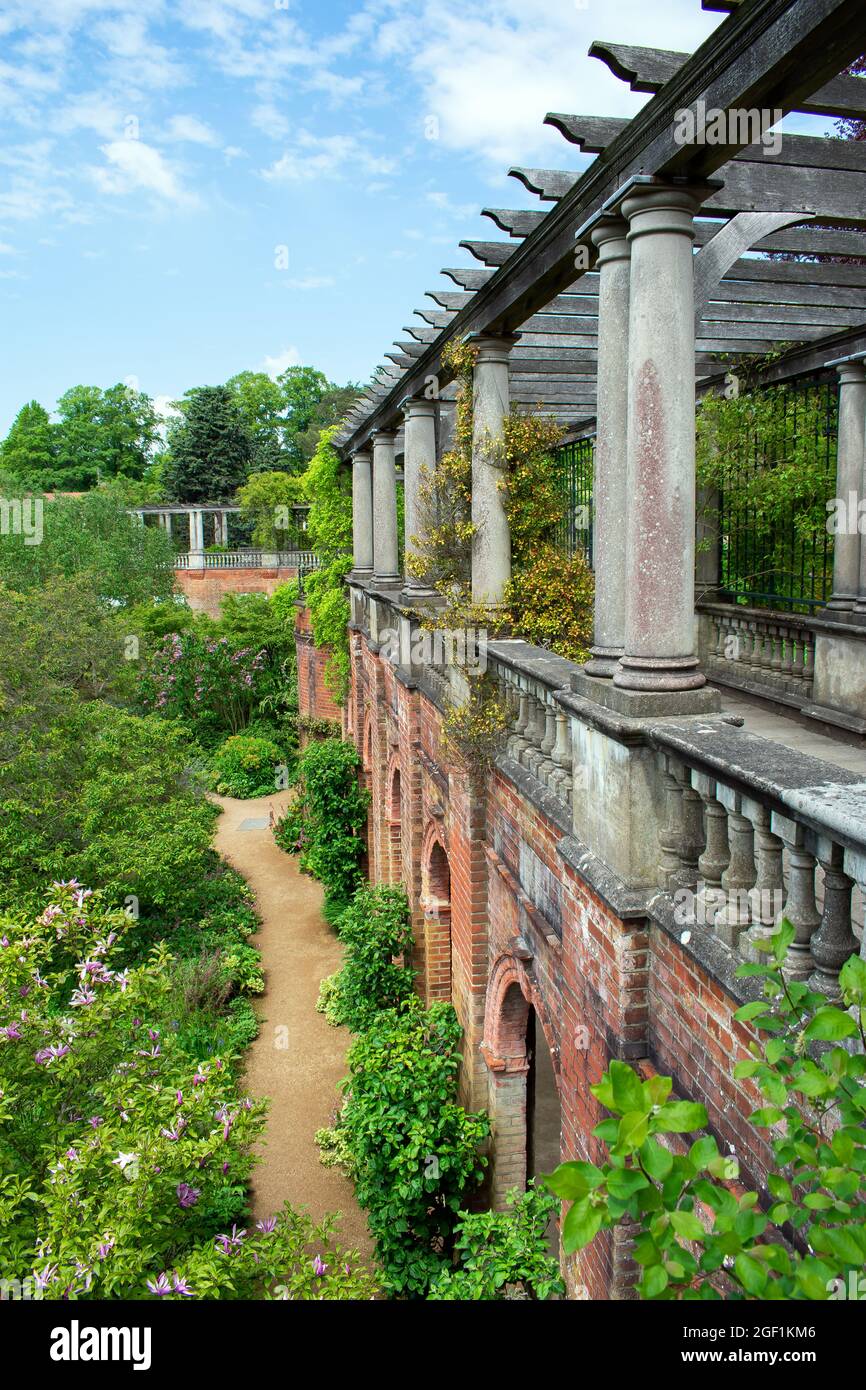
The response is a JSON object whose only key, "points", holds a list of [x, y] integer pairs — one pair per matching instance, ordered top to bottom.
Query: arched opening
{"points": [[395, 842], [436, 902], [543, 1112]]}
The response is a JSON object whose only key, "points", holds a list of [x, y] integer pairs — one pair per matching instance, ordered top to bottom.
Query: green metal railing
{"points": [[574, 476]]}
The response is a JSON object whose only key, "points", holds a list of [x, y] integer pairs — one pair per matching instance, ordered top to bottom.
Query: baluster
{"points": [[719, 626], [808, 658], [787, 664], [518, 741], [531, 755], [547, 766], [561, 779], [670, 833], [692, 842], [716, 856], [740, 874], [767, 896], [800, 907], [834, 941]]}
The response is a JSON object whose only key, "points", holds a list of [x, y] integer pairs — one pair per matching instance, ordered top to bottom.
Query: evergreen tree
{"points": [[210, 447], [29, 449]]}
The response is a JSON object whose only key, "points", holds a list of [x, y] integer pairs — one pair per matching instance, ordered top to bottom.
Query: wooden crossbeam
{"points": [[517, 222]]}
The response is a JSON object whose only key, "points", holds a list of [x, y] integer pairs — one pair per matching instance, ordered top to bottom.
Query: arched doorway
{"points": [[436, 902]]}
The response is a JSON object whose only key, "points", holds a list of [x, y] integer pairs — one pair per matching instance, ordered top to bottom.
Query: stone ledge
{"points": [[645, 704]]}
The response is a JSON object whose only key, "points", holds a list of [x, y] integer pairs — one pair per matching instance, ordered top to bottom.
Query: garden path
{"points": [[297, 1059]]}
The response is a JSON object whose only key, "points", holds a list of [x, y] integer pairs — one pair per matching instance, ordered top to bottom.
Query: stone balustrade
{"points": [[247, 559], [771, 654], [748, 840]]}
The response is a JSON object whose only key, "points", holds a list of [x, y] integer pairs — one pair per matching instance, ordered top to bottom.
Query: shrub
{"points": [[549, 602], [211, 684], [247, 765], [324, 822], [374, 929], [816, 1101], [412, 1151], [124, 1161], [503, 1254]]}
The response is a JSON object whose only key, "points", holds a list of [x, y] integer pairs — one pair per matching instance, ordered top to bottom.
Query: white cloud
{"points": [[92, 111], [190, 130], [326, 156], [135, 166], [289, 357]]}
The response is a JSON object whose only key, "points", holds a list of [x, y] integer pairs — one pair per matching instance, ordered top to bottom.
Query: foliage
{"points": [[260, 402], [312, 404], [100, 434], [210, 447], [29, 450], [775, 470], [328, 489], [266, 502], [440, 550], [128, 563], [550, 602], [209, 683], [472, 729], [246, 766], [107, 797], [325, 821], [375, 930], [412, 1151], [124, 1159], [696, 1238], [503, 1254]]}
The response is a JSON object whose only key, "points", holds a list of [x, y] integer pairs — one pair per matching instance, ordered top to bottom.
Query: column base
{"points": [[840, 603], [603, 661], [652, 673], [646, 704]]}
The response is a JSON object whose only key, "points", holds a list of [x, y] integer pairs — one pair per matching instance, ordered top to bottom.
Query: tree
{"points": [[312, 403], [262, 405], [103, 434], [29, 448], [211, 448], [266, 502], [94, 534]]}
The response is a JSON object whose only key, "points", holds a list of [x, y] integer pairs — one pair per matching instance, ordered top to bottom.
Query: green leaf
{"points": [[852, 979], [751, 1010], [829, 1025], [627, 1089], [767, 1115], [679, 1117], [632, 1131], [703, 1151], [656, 1159], [571, 1181], [624, 1182], [581, 1225], [687, 1225], [751, 1274], [654, 1282]]}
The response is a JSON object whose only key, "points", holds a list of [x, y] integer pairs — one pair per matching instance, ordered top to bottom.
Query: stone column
{"points": [[419, 458], [849, 484], [610, 496], [362, 514], [660, 531], [196, 539], [491, 542], [385, 554]]}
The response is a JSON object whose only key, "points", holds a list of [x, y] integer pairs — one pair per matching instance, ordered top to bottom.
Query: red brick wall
{"points": [[204, 589], [315, 700], [525, 929]]}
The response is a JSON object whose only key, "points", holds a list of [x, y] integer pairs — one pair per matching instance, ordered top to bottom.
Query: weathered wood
{"points": [[592, 133], [549, 184], [516, 222], [723, 250], [490, 252], [468, 279], [448, 299]]}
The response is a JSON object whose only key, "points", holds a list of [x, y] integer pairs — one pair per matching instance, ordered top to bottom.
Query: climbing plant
{"points": [[328, 489], [325, 820], [376, 932], [695, 1237], [503, 1254]]}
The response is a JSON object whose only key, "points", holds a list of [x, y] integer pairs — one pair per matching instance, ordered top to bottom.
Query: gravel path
{"points": [[298, 1058]]}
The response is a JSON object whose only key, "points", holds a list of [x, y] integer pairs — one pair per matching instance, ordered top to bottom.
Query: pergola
{"points": [[633, 286]]}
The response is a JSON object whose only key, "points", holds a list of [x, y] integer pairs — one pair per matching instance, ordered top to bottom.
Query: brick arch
{"points": [[394, 819], [436, 906], [511, 992]]}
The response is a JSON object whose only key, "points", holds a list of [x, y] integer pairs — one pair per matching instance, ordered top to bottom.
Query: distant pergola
{"points": [[809, 198]]}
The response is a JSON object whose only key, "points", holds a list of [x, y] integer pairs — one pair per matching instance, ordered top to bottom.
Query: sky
{"points": [[188, 190]]}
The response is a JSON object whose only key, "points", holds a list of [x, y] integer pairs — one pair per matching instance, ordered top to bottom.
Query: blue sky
{"points": [[191, 189]]}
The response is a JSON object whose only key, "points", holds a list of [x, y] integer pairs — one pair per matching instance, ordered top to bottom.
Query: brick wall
{"points": [[204, 589], [315, 700], [505, 923]]}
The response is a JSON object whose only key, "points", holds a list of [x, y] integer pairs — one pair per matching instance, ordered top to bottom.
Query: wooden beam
{"points": [[516, 222]]}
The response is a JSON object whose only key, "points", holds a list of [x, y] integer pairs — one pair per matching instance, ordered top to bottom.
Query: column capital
{"points": [[663, 207], [610, 235], [493, 347], [851, 373], [418, 406], [384, 436], [361, 456]]}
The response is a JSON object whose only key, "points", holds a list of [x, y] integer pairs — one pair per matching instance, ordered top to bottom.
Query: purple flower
{"points": [[13, 1033], [187, 1196], [269, 1224], [105, 1248], [319, 1269], [44, 1276], [180, 1285], [161, 1287]]}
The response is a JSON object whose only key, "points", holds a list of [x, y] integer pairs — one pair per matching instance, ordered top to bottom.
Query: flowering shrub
{"points": [[208, 682], [246, 766], [324, 822], [375, 929], [411, 1150], [124, 1160], [694, 1237], [503, 1254]]}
